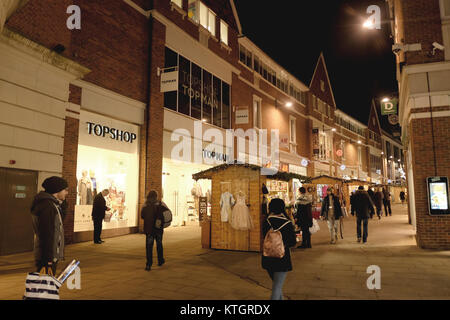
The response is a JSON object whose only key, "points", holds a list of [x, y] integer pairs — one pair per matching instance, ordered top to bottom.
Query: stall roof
{"points": [[284, 176], [327, 177]]}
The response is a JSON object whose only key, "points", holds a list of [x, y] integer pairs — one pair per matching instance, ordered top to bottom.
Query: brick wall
{"points": [[422, 24], [70, 173], [433, 232]]}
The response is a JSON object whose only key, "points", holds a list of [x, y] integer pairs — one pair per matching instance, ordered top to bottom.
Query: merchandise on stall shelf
{"points": [[226, 202], [240, 215]]}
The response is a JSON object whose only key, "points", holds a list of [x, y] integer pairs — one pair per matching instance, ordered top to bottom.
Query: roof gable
{"points": [[320, 84], [374, 122]]}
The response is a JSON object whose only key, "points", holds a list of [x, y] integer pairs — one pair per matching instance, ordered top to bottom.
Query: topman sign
{"points": [[115, 134]]}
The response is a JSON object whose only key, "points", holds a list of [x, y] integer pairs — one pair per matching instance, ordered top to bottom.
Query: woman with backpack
{"points": [[152, 213], [279, 237]]}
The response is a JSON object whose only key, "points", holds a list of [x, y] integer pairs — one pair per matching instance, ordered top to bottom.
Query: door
{"points": [[17, 191]]}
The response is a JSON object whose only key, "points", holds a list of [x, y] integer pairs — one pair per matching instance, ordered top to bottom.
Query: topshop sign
{"points": [[114, 134]]}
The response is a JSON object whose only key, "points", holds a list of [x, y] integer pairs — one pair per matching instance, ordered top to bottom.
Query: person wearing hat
{"points": [[47, 222]]}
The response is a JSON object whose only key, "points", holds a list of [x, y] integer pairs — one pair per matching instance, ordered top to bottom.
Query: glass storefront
{"points": [[200, 95], [108, 158]]}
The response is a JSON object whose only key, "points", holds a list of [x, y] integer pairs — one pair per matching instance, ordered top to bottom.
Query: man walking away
{"points": [[379, 202], [387, 202], [362, 204], [303, 210], [331, 211], [152, 213], [98, 214], [47, 224]]}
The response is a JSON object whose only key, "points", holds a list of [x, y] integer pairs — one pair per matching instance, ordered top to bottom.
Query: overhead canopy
{"points": [[283, 176], [323, 179]]}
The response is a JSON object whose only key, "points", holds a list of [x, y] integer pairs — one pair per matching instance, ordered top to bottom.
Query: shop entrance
{"points": [[17, 191]]}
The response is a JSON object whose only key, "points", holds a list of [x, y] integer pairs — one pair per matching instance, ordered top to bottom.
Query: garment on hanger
{"points": [[226, 202], [240, 215]]}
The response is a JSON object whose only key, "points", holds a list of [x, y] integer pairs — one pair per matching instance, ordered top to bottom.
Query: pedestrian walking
{"points": [[371, 194], [403, 196], [378, 197], [387, 202], [363, 207], [99, 209], [332, 212], [151, 213], [303, 215], [48, 225], [278, 266]]}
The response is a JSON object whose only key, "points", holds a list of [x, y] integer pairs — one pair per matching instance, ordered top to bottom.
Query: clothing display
{"points": [[85, 191], [226, 202], [240, 215]]}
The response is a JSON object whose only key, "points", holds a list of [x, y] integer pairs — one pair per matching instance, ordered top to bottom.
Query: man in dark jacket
{"points": [[387, 202], [363, 206], [99, 209], [332, 212], [151, 213], [303, 215], [48, 224], [278, 268]]}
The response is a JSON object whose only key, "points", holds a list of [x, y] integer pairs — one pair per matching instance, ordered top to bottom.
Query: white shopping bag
{"points": [[315, 227], [41, 287]]}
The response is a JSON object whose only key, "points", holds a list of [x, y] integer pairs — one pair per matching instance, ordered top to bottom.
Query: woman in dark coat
{"points": [[378, 201], [278, 267]]}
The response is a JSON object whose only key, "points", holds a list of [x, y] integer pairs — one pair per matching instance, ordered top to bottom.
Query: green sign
{"points": [[389, 107]]}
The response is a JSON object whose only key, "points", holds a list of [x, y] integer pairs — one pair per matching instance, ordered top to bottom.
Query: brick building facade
{"points": [[424, 86]]}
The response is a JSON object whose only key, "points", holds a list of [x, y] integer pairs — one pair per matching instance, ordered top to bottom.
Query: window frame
{"points": [[178, 3], [223, 24], [257, 112], [293, 138]]}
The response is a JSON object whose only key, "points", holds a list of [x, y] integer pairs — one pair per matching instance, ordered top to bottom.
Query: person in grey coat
{"points": [[46, 214]]}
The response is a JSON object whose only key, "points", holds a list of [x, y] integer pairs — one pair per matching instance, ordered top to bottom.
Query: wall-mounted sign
{"points": [[169, 81], [389, 107], [242, 115], [393, 119], [115, 134], [284, 141], [339, 153], [215, 155], [304, 162], [342, 167], [21, 188], [20, 195], [438, 196], [203, 208]]}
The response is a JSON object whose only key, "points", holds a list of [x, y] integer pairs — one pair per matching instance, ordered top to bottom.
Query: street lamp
{"points": [[368, 24], [288, 104]]}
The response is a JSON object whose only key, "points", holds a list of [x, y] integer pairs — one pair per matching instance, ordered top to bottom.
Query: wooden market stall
{"points": [[247, 181], [317, 187]]}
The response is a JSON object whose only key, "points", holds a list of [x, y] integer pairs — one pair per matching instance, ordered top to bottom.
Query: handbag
{"points": [[107, 217], [315, 227], [41, 286]]}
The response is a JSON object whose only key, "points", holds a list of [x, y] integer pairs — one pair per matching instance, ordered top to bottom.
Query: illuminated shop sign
{"points": [[115, 134], [215, 155]]}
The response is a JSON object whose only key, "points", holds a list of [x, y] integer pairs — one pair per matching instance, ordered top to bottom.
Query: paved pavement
{"points": [[115, 269]]}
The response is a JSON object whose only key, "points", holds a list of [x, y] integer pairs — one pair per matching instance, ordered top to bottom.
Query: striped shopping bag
{"points": [[40, 286]]}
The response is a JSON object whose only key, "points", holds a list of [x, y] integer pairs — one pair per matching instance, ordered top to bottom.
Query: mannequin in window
{"points": [[85, 189]]}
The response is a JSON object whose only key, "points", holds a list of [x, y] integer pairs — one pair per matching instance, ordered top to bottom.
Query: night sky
{"points": [[360, 62]]}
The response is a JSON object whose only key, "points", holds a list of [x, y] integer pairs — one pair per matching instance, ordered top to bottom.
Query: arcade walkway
{"points": [[115, 269]]}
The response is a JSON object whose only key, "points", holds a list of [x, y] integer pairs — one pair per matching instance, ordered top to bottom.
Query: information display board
{"points": [[438, 196]]}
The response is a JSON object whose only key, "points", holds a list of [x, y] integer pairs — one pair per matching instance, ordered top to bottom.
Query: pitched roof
{"points": [[321, 67]]}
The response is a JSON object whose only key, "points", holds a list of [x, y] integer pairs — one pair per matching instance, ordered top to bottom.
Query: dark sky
{"points": [[360, 62]]}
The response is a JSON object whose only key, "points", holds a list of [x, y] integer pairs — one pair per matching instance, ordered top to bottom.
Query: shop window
{"points": [[178, 2], [223, 32], [184, 86], [196, 93], [207, 97], [217, 104], [257, 116], [226, 119], [292, 134]]}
